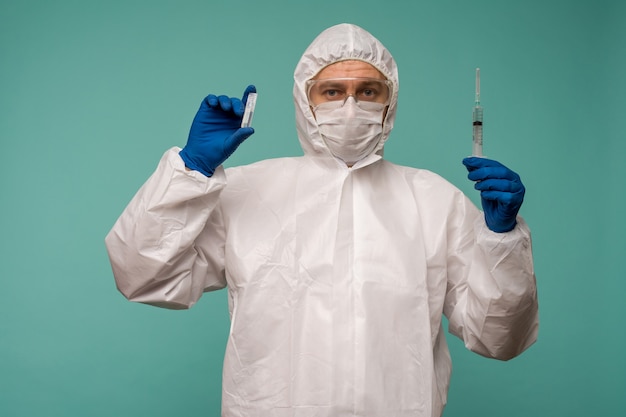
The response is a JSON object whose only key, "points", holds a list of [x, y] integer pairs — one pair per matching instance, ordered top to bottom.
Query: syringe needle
{"points": [[477, 85]]}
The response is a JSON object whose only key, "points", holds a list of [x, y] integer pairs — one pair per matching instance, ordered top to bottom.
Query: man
{"points": [[339, 265]]}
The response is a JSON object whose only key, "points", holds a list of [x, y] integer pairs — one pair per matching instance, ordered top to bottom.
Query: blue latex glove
{"points": [[215, 132], [501, 192]]}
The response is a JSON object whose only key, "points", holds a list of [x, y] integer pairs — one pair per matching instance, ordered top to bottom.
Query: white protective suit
{"points": [[337, 277]]}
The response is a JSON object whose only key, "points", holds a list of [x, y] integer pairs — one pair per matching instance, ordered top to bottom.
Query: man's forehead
{"points": [[350, 68]]}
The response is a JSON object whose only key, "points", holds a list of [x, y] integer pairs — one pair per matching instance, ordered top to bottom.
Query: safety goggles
{"points": [[363, 90]]}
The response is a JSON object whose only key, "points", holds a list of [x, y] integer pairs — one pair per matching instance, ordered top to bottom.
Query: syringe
{"points": [[477, 120]]}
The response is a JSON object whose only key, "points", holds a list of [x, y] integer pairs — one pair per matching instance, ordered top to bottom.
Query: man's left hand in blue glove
{"points": [[501, 192]]}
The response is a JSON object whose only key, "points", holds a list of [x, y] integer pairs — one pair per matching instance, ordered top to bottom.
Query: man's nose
{"points": [[350, 105]]}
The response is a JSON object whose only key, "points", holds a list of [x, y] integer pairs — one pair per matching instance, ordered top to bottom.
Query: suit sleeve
{"points": [[167, 247], [491, 301]]}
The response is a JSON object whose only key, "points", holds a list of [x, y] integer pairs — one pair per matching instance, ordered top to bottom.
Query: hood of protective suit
{"points": [[339, 43]]}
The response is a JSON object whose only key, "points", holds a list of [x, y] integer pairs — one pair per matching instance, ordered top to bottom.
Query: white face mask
{"points": [[351, 131]]}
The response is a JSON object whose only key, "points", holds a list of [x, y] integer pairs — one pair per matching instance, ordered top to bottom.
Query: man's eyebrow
{"points": [[370, 82], [331, 83], [343, 83]]}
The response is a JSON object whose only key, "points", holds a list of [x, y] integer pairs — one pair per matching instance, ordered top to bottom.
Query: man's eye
{"points": [[332, 93], [368, 94]]}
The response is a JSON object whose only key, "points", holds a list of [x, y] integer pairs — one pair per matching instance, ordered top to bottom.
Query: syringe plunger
{"points": [[477, 121]]}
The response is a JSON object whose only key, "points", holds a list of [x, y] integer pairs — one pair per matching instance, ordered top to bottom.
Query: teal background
{"points": [[92, 94]]}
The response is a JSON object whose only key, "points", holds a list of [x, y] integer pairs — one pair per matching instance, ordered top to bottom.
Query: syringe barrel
{"points": [[477, 114], [477, 136]]}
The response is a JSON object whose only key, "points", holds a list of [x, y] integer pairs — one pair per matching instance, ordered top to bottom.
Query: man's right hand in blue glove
{"points": [[215, 132]]}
